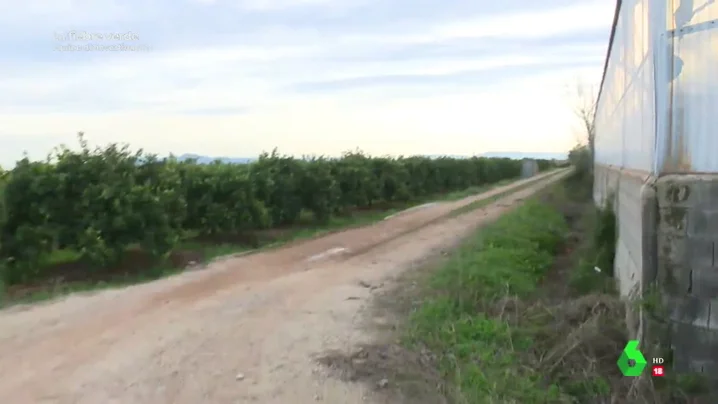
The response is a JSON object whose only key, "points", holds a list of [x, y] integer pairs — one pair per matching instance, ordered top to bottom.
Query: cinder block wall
{"points": [[668, 245], [688, 268]]}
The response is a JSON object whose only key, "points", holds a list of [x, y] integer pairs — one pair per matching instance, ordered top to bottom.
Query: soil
{"points": [[249, 329], [410, 374]]}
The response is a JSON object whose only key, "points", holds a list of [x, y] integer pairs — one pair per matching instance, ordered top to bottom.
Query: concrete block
{"points": [[676, 191], [710, 193], [673, 220], [703, 223], [673, 249], [699, 253], [673, 271], [675, 280], [704, 282], [690, 310], [713, 317], [695, 348], [681, 360], [703, 366]]}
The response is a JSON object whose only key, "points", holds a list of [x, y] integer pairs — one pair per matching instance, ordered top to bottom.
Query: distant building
{"points": [[529, 168]]}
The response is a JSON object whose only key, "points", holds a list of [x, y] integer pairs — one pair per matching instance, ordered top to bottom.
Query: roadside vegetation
{"points": [[107, 216], [526, 311], [498, 314]]}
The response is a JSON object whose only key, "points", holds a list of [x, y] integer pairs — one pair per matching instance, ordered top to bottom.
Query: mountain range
{"points": [[206, 159]]}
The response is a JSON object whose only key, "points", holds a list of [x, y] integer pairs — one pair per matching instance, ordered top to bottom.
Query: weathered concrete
{"points": [[605, 184], [632, 196], [667, 251], [688, 269]]}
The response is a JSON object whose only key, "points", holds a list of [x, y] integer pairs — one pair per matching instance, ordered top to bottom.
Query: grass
{"points": [[209, 251], [518, 313], [480, 350]]}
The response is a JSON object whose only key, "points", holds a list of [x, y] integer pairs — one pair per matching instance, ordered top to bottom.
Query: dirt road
{"points": [[243, 330]]}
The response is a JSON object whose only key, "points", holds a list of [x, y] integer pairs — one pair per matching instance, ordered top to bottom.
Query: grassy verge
{"points": [[72, 276], [520, 314], [464, 321]]}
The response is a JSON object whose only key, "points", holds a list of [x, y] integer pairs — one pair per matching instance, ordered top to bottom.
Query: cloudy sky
{"points": [[236, 77]]}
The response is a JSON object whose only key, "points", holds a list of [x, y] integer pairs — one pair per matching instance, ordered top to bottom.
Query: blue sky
{"points": [[236, 77]]}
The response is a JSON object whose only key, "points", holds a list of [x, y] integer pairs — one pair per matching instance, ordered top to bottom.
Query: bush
{"points": [[580, 158], [101, 202]]}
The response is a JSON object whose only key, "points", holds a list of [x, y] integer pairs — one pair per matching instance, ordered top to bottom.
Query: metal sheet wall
{"points": [[658, 108], [625, 117], [689, 139]]}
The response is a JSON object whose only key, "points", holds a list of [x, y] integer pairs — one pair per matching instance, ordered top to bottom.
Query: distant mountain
{"points": [[512, 155], [523, 155], [453, 156], [208, 160]]}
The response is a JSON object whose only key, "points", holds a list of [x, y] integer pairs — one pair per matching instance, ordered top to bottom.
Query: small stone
{"points": [[240, 376]]}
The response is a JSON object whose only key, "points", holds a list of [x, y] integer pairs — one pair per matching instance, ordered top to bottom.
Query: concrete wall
{"points": [[632, 195], [667, 249], [688, 268]]}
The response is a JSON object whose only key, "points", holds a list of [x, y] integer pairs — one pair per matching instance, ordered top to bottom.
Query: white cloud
{"points": [[274, 5], [44, 14], [579, 17], [156, 100]]}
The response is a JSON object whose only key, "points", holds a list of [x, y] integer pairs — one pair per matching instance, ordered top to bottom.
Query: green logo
{"points": [[631, 361]]}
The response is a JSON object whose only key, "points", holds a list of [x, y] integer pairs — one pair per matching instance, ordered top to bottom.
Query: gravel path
{"points": [[243, 330]]}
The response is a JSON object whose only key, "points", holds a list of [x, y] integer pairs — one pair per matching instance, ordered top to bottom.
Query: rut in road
{"points": [[184, 339]]}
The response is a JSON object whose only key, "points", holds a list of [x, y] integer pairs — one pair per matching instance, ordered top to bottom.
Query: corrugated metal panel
{"points": [[625, 114], [609, 133], [690, 142]]}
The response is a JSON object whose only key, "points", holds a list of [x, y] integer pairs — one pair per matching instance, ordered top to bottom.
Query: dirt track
{"points": [[244, 330]]}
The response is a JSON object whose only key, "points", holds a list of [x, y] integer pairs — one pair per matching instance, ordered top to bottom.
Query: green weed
{"points": [[480, 351]]}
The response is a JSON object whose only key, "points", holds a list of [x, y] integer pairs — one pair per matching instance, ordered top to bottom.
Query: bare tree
{"points": [[584, 99]]}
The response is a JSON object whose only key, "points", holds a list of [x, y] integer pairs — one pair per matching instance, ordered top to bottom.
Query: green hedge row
{"points": [[100, 201]]}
